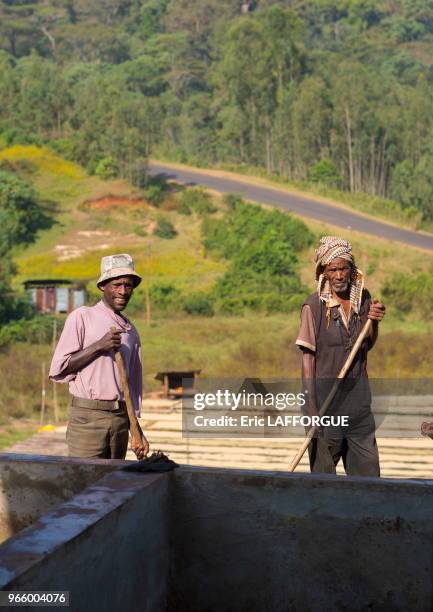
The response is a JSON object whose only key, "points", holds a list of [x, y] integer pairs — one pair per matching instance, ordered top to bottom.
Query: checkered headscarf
{"points": [[332, 247]]}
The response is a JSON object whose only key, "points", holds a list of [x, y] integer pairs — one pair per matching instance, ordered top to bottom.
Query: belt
{"points": [[82, 402]]}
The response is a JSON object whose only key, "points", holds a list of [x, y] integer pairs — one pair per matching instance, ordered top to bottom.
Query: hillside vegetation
{"points": [[336, 93], [332, 96], [214, 238], [214, 302]]}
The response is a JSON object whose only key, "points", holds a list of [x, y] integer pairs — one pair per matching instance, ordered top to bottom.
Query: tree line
{"points": [[331, 91], [22, 215]]}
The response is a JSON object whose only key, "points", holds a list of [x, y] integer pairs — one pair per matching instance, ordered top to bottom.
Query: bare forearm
{"points": [[81, 359], [309, 380]]}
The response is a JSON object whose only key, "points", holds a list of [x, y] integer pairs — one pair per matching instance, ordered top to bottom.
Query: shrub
{"points": [[14, 136], [63, 147], [44, 160], [21, 166], [106, 168], [325, 173], [156, 188], [154, 194], [198, 200], [232, 200], [184, 209], [22, 215], [247, 224], [165, 228], [262, 246], [242, 289], [397, 291], [407, 293], [164, 295], [198, 303], [38, 330]]}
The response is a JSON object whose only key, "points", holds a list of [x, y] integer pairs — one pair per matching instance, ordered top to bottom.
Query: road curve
{"points": [[301, 205]]}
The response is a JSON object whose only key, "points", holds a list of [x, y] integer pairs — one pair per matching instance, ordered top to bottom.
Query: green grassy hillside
{"points": [[95, 217]]}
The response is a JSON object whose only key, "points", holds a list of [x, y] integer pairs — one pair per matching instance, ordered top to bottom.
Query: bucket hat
{"points": [[113, 266]]}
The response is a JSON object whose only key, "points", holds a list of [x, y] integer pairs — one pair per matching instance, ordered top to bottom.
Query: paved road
{"points": [[307, 207]]}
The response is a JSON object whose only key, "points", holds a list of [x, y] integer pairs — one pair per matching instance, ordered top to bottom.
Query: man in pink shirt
{"points": [[84, 358]]}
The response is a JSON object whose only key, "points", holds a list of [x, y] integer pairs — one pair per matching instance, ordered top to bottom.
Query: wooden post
{"points": [[146, 288], [148, 306], [43, 395], [55, 402]]}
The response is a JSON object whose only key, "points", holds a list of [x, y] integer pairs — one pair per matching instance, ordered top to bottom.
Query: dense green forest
{"points": [[332, 91]]}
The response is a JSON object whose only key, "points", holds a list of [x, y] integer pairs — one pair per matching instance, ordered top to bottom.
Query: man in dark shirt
{"points": [[331, 320]]}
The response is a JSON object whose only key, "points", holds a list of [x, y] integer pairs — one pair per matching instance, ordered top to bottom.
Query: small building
{"points": [[55, 295], [177, 383]]}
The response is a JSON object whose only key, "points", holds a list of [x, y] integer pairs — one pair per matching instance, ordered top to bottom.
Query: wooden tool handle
{"points": [[364, 333], [133, 421]]}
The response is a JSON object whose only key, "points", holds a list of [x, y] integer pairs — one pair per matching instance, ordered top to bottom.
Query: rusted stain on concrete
{"points": [[32, 486], [70, 520]]}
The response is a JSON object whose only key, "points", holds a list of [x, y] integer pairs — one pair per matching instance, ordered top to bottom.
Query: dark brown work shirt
{"points": [[332, 341]]}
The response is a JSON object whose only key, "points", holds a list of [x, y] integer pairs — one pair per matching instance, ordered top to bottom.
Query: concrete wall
{"points": [[31, 486], [214, 540], [260, 541], [108, 547]]}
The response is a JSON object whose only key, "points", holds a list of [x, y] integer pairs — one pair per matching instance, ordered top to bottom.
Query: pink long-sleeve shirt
{"points": [[100, 378]]}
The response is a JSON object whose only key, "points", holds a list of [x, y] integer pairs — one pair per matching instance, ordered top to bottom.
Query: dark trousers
{"points": [[94, 433], [357, 448]]}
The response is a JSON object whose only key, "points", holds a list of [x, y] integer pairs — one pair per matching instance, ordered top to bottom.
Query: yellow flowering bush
{"points": [[44, 159]]}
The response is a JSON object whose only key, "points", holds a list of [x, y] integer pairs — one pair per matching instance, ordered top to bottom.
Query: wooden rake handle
{"points": [[364, 333], [133, 421]]}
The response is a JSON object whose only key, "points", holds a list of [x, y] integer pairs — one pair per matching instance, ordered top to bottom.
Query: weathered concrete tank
{"points": [[217, 540]]}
